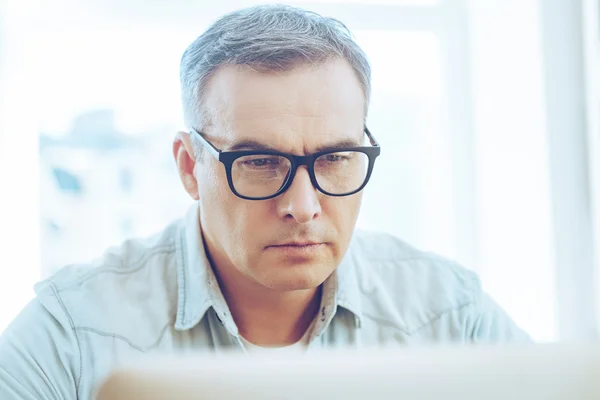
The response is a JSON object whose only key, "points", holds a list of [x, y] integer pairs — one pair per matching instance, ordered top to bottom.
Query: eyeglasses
{"points": [[264, 174]]}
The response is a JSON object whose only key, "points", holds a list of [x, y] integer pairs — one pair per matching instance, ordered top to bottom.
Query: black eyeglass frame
{"points": [[228, 157]]}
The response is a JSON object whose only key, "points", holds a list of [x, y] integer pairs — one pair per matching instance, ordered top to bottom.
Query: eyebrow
{"points": [[249, 144]]}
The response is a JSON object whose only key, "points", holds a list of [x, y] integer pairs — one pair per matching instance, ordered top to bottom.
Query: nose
{"points": [[301, 200]]}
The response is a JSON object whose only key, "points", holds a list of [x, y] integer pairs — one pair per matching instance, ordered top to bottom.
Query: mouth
{"points": [[296, 244], [297, 248]]}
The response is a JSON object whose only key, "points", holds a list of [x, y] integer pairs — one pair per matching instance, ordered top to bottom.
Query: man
{"points": [[276, 156]]}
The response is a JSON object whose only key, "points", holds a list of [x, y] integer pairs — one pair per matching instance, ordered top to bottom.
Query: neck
{"points": [[270, 318]]}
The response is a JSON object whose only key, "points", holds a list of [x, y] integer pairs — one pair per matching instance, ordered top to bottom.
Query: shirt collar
{"points": [[198, 289], [341, 289], [348, 294]]}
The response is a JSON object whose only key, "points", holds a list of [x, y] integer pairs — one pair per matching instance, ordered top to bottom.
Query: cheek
{"points": [[212, 188], [215, 201], [343, 212], [232, 221]]}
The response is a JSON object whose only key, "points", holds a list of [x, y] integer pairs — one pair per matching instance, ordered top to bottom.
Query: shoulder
{"points": [[407, 288], [130, 292], [30, 365]]}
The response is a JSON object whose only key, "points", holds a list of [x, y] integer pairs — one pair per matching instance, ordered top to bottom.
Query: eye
{"points": [[337, 157], [260, 161]]}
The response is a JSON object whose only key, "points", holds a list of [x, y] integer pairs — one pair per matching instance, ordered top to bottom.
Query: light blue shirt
{"points": [[160, 294]]}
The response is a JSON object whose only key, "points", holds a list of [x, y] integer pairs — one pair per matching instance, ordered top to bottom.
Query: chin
{"points": [[298, 277]]}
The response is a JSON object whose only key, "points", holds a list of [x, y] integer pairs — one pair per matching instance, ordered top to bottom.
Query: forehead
{"points": [[294, 110]]}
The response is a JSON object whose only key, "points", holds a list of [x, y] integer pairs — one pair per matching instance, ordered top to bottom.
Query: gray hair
{"points": [[267, 38]]}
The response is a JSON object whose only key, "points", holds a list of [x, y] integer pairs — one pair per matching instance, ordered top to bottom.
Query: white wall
{"points": [[590, 17], [569, 167], [19, 194], [514, 213]]}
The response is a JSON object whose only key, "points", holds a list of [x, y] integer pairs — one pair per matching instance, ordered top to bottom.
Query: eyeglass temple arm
{"points": [[371, 138], [209, 146]]}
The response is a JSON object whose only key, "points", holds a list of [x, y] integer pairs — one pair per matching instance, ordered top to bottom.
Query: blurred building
{"points": [[100, 186]]}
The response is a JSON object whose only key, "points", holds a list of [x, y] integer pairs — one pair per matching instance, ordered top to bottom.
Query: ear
{"points": [[183, 151]]}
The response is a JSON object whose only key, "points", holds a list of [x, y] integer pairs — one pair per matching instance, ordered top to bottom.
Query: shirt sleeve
{"points": [[491, 324], [39, 354]]}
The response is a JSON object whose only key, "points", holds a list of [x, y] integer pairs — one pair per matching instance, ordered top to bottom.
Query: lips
{"points": [[303, 243], [296, 244], [301, 250]]}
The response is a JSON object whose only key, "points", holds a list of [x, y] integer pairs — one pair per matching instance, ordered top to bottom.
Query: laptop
{"points": [[465, 373]]}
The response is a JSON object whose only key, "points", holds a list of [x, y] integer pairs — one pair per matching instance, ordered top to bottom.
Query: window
{"points": [[66, 181]]}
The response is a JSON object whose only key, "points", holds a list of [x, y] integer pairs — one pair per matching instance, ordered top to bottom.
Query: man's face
{"points": [[296, 112]]}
